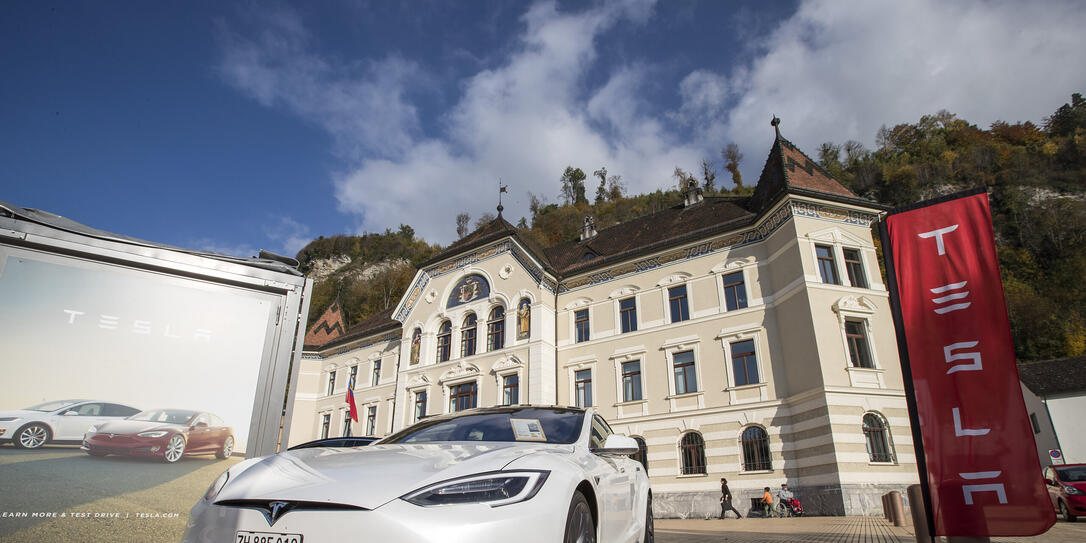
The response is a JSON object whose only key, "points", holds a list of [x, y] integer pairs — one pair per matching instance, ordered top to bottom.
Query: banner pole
{"points": [[907, 374]]}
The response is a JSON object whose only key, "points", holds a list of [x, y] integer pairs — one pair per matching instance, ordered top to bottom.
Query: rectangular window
{"points": [[826, 264], [855, 268], [735, 291], [680, 311], [627, 312], [580, 325], [467, 341], [857, 345], [744, 363], [376, 372], [354, 374], [685, 378], [631, 381], [331, 382], [582, 385], [511, 390], [462, 397], [420, 405], [371, 420], [326, 423], [346, 423]]}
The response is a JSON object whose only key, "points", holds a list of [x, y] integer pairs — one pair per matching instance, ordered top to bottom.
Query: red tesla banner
{"points": [[983, 476]]}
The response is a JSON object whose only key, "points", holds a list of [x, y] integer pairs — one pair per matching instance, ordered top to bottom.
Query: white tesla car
{"points": [[57, 421], [521, 473]]}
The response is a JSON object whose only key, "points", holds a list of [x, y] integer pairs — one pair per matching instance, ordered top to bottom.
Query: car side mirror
{"points": [[72, 413], [200, 424], [619, 445], [1049, 482]]}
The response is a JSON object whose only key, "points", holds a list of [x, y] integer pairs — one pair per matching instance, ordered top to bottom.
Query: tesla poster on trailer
{"points": [[124, 340], [980, 458]]}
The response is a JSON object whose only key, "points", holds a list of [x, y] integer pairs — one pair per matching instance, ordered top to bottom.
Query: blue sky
{"points": [[239, 126]]}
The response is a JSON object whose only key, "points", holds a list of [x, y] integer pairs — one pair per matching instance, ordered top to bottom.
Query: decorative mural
{"points": [[469, 289], [524, 319], [416, 343]]}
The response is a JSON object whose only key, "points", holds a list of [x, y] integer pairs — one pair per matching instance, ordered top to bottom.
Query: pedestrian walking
{"points": [[726, 500], [767, 502]]}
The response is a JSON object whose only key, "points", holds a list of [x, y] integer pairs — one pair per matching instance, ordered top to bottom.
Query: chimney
{"points": [[692, 194], [588, 231]]}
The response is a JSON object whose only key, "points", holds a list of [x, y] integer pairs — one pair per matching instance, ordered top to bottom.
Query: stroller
{"points": [[789, 508]]}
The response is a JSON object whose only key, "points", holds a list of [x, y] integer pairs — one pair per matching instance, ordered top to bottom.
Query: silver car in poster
{"points": [[57, 421], [518, 473]]}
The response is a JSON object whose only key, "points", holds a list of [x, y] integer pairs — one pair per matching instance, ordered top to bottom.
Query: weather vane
{"points": [[501, 189]]}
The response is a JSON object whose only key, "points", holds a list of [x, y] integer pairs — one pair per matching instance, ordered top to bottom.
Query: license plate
{"points": [[266, 537]]}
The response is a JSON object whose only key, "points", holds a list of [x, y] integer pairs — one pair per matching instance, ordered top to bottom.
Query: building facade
{"points": [[741, 337]]}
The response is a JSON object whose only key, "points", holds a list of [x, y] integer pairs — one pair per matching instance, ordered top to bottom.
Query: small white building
{"points": [[1059, 388]]}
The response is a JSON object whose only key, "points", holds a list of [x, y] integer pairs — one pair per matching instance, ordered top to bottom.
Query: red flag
{"points": [[350, 399], [983, 475]]}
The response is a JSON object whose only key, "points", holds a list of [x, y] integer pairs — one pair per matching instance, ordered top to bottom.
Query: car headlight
{"points": [[156, 433], [216, 486], [495, 489], [1072, 490]]}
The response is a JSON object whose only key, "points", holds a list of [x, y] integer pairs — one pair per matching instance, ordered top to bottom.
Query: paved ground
{"points": [[824, 530]]}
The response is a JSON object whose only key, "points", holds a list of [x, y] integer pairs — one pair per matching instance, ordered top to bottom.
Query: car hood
{"points": [[23, 414], [136, 426], [370, 476]]}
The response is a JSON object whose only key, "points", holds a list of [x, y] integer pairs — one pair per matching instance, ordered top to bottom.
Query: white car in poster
{"points": [[57, 421], [518, 473]]}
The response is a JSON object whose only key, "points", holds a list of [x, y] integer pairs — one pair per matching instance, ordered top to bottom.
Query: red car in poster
{"points": [[166, 433], [1067, 489]]}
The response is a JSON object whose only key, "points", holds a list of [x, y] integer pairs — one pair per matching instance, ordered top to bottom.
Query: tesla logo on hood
{"points": [[274, 510]]}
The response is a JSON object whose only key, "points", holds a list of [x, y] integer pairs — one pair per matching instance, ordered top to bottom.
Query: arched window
{"points": [[495, 329], [467, 336], [444, 340], [877, 437], [756, 450], [642, 453], [693, 454]]}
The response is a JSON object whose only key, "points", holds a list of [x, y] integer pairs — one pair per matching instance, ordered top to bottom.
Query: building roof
{"points": [[490, 232], [650, 233], [376, 323], [328, 327], [1052, 377]]}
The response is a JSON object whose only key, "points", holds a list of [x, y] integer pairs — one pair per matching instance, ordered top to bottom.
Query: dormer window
{"points": [[589, 255]]}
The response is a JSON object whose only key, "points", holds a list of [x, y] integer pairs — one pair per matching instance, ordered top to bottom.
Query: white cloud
{"points": [[839, 70], [832, 71], [289, 234]]}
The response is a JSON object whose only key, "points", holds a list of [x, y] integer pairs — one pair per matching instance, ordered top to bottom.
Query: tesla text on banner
{"points": [[981, 461]]}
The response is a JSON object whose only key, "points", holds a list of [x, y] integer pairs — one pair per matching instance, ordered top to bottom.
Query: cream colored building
{"points": [[741, 337]]}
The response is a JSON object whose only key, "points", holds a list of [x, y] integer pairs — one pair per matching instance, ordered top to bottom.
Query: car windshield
{"points": [[52, 406], [169, 416], [514, 424], [1072, 474]]}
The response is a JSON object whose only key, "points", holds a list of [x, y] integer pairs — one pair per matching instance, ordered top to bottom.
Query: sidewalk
{"points": [[825, 530]]}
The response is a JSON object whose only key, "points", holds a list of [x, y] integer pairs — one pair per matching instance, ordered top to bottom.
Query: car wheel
{"points": [[31, 436], [175, 448], [227, 448], [1066, 513], [579, 525], [650, 527]]}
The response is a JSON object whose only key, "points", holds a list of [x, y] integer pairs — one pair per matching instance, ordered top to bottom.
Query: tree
{"points": [[732, 158], [708, 174], [683, 178], [573, 185], [616, 189], [601, 190], [484, 219], [462, 221]]}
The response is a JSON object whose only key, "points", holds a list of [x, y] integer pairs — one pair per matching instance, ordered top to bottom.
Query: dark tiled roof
{"points": [[787, 169], [492, 231], [650, 233], [377, 323], [328, 327], [1051, 377]]}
